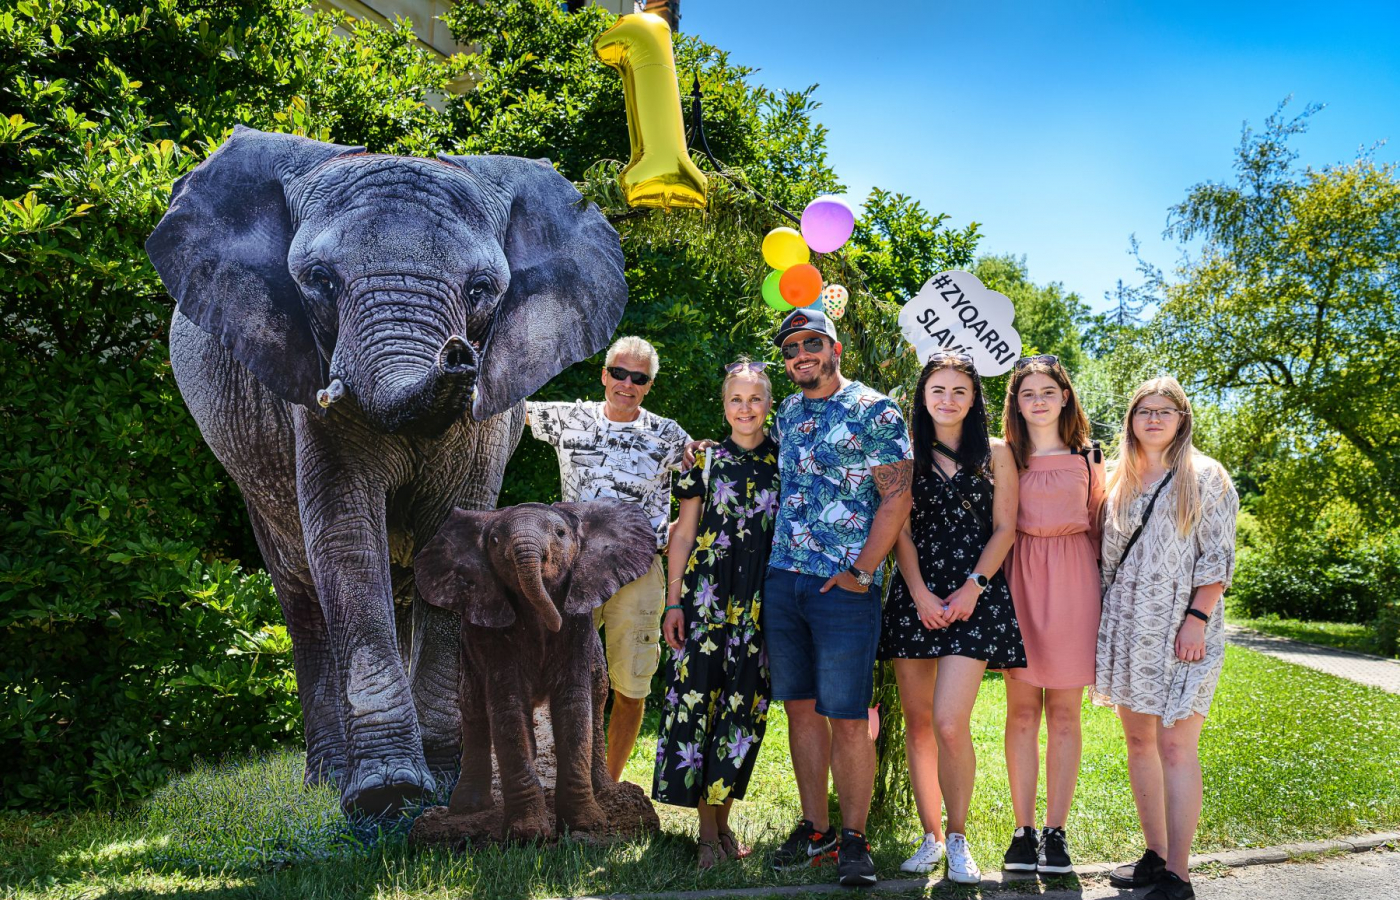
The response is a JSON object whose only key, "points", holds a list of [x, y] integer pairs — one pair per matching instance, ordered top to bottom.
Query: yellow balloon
{"points": [[660, 172], [784, 248]]}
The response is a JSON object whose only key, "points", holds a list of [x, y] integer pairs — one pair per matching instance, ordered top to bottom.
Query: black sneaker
{"points": [[804, 847], [1024, 853], [1054, 853], [853, 861], [1147, 870], [1171, 886]]}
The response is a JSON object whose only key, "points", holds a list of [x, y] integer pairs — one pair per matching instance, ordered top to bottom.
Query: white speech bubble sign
{"points": [[954, 311]]}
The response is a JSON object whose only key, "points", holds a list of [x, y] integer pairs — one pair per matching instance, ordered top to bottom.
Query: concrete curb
{"points": [[994, 881]]}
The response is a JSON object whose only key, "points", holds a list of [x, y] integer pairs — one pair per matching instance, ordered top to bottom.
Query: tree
{"points": [[1288, 308]]}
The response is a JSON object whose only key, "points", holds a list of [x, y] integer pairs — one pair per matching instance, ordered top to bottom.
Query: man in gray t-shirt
{"points": [[616, 449]]}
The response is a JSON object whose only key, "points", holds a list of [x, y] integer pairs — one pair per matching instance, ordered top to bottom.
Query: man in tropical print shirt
{"points": [[846, 469]]}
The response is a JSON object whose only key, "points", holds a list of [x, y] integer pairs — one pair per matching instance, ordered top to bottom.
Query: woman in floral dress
{"points": [[716, 704]]}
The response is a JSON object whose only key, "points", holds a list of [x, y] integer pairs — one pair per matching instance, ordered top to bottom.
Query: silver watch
{"points": [[864, 579]]}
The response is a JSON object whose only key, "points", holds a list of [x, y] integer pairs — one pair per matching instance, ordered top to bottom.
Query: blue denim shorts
{"points": [[821, 646]]}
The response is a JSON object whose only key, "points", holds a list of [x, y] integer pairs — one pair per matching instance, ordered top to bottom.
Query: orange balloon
{"points": [[801, 285]]}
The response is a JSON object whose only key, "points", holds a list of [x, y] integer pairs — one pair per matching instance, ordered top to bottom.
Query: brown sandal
{"points": [[732, 848], [713, 850]]}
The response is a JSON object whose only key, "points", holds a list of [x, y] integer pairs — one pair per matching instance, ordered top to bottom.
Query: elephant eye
{"points": [[320, 278], [479, 289], [558, 532]]}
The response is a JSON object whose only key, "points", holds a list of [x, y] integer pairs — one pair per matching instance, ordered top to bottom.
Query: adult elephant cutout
{"points": [[354, 334], [524, 582]]}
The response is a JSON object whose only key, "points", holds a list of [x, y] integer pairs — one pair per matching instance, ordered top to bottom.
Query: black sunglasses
{"points": [[811, 345], [1049, 359], [620, 374]]}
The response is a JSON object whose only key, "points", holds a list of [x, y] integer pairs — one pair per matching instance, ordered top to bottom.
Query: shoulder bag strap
{"points": [[1094, 450], [962, 499], [1137, 532]]}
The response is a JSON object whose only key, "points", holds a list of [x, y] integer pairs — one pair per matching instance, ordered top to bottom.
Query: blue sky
{"points": [[1064, 128]]}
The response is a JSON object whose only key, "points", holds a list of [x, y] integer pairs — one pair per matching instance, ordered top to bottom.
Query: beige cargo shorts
{"points": [[631, 623]]}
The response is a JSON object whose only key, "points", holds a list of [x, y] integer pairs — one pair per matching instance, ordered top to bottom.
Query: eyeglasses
{"points": [[811, 345], [1048, 359], [741, 366], [620, 374], [1165, 413]]}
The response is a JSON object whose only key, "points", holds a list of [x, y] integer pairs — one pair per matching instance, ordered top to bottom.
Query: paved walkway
{"points": [[1360, 667], [1357, 868]]}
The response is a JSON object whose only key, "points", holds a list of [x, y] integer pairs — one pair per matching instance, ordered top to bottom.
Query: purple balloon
{"points": [[827, 223]]}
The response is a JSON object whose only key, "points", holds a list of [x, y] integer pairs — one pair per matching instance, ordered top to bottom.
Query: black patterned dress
{"points": [[949, 539], [717, 692]]}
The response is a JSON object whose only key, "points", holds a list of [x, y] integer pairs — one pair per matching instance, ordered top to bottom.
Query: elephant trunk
{"points": [[410, 389], [527, 559]]}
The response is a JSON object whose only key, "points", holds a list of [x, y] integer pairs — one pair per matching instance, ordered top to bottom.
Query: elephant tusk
{"points": [[330, 393]]}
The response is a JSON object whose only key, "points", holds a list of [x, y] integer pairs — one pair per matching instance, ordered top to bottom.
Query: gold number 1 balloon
{"points": [[660, 172]]}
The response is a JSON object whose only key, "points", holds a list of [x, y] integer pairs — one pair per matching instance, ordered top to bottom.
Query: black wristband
{"points": [[1193, 611]]}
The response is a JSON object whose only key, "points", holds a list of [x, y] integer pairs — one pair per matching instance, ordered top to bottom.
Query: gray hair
{"points": [[634, 346]]}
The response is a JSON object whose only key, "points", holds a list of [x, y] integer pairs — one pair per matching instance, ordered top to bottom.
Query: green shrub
{"points": [[1318, 576], [1388, 628], [126, 647]]}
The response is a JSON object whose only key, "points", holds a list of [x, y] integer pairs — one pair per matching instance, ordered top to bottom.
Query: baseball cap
{"points": [[805, 319]]}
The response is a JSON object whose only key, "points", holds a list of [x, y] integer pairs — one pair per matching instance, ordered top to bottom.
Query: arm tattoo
{"points": [[894, 479]]}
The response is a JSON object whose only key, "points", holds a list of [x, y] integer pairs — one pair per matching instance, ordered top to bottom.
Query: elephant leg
{"points": [[343, 499], [312, 658], [434, 667], [601, 687], [508, 707], [571, 713], [473, 791]]}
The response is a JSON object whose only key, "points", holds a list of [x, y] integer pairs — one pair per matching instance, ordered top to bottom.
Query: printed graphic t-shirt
{"points": [[603, 459], [828, 497]]}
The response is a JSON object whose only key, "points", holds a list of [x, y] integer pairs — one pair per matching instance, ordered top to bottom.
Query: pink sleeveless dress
{"points": [[1053, 571]]}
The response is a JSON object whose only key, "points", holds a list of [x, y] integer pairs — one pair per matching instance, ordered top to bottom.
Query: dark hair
{"points": [[1074, 422], [974, 450]]}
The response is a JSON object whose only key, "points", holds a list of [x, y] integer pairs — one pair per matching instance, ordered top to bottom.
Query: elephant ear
{"points": [[221, 250], [567, 290], [616, 547], [454, 572]]}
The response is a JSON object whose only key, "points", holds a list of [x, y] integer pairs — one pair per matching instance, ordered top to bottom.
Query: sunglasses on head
{"points": [[811, 345], [956, 355], [1048, 359], [753, 366], [620, 374]]}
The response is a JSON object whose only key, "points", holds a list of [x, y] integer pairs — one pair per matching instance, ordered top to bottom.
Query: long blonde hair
{"points": [[1125, 473]]}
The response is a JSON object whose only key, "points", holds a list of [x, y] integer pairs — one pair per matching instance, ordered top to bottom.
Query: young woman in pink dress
{"points": [[1054, 575]]}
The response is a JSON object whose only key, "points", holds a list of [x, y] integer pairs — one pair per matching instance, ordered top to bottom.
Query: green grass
{"points": [[1342, 635], [1289, 755]]}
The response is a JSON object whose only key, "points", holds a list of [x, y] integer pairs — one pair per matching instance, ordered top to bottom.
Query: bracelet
{"points": [[674, 580], [669, 608], [1193, 611]]}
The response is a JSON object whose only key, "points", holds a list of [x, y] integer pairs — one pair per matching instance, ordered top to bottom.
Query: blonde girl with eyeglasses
{"points": [[1168, 554]]}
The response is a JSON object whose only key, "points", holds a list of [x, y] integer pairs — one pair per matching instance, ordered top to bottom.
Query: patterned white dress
{"points": [[1136, 663]]}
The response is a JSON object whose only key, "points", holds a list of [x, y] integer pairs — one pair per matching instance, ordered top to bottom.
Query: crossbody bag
{"points": [[958, 495], [1137, 532]]}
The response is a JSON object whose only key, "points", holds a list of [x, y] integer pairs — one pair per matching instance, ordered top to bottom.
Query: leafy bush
{"points": [[1318, 575], [123, 652]]}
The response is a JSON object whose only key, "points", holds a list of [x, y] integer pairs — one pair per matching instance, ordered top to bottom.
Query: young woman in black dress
{"points": [[949, 616]]}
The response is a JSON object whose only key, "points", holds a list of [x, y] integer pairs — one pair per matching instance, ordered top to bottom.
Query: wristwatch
{"points": [[864, 579], [979, 579]]}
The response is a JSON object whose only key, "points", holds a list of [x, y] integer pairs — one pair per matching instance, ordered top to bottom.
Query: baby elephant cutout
{"points": [[525, 581]]}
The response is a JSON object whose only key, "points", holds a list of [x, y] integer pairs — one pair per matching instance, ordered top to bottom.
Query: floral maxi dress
{"points": [[717, 693]]}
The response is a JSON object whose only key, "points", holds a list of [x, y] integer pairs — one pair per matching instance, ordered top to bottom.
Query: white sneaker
{"points": [[926, 858], [962, 868]]}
